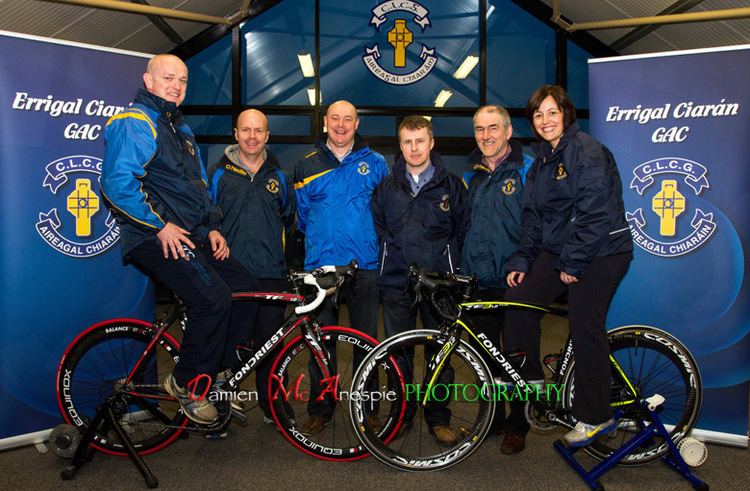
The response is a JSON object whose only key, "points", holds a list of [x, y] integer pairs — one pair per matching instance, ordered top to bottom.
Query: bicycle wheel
{"points": [[655, 362], [96, 365], [463, 393], [291, 395]]}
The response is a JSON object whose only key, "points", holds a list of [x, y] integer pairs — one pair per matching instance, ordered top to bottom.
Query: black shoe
{"points": [[513, 443]]}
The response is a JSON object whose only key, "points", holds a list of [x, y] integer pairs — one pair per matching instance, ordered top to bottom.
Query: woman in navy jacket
{"points": [[574, 238]]}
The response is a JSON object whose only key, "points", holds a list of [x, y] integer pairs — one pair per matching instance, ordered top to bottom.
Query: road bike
{"points": [[647, 364], [110, 378]]}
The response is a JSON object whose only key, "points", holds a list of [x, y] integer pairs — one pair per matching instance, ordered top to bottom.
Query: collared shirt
{"points": [[342, 157], [499, 161], [418, 182]]}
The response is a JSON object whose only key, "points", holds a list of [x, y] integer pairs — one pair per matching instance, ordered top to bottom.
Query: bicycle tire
{"points": [[655, 362], [94, 366], [290, 373], [415, 449]]}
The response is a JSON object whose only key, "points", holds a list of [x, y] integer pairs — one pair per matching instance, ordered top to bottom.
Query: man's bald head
{"points": [[166, 76], [341, 122]]}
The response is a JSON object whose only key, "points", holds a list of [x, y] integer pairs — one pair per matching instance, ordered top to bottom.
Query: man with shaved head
{"points": [[154, 179], [334, 185], [257, 204]]}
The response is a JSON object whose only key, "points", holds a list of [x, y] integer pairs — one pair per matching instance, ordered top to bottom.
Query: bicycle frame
{"points": [[306, 323], [500, 358]]}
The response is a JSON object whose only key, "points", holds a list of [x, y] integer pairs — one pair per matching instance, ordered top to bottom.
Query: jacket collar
{"points": [[164, 107], [320, 145], [544, 149], [231, 154], [514, 160], [399, 170]]}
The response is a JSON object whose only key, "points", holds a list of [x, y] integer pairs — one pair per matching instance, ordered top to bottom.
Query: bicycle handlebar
{"points": [[326, 279], [461, 284]]}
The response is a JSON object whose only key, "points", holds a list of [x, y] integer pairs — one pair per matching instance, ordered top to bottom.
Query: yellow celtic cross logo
{"points": [[399, 37], [83, 203], [668, 204]]}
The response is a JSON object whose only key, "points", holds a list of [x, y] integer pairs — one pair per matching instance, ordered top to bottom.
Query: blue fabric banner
{"points": [[678, 125], [61, 265]]}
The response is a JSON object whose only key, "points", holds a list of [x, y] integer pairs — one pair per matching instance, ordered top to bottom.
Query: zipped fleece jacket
{"points": [[152, 173], [334, 204], [496, 204], [573, 205], [258, 211], [427, 229]]}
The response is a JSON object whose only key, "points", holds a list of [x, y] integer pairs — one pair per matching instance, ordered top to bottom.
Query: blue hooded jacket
{"points": [[333, 204]]}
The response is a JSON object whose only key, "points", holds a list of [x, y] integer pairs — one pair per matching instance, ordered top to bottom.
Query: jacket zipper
{"points": [[382, 260]]}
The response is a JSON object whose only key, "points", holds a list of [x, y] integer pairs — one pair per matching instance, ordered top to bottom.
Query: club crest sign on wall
{"points": [[389, 64]]}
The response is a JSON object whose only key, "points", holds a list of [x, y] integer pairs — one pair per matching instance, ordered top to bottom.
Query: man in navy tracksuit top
{"points": [[154, 177], [496, 184], [334, 185], [257, 203], [421, 217]]}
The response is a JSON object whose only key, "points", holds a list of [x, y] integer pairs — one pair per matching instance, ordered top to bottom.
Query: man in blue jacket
{"points": [[154, 178], [496, 184], [334, 185], [257, 203], [421, 218]]}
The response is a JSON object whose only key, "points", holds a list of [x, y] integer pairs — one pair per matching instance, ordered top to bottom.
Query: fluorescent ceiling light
{"points": [[489, 11], [306, 64], [466, 67], [311, 95], [442, 98], [428, 118]]}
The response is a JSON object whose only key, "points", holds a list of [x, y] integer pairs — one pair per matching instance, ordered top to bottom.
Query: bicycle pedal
{"points": [[239, 417]]}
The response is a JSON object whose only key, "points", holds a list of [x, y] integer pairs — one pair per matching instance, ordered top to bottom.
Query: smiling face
{"points": [[166, 77], [548, 121], [341, 122], [251, 133], [492, 134], [415, 146]]}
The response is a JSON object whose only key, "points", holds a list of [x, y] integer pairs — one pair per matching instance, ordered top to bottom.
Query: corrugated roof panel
{"points": [[37, 18]]}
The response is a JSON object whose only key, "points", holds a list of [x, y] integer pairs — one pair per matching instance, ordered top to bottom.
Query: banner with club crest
{"points": [[678, 125], [61, 265]]}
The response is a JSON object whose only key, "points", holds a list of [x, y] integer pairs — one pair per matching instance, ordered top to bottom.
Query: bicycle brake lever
{"points": [[417, 295]]}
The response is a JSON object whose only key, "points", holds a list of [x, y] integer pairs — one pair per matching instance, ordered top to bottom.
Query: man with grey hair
{"points": [[496, 182]]}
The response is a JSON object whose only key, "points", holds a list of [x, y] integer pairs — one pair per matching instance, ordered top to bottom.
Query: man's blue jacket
{"points": [[152, 173], [333, 204], [496, 204]]}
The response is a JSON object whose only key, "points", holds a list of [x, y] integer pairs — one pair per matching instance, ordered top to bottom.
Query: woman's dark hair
{"points": [[561, 98]]}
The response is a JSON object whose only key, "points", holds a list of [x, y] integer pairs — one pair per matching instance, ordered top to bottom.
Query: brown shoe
{"points": [[374, 423], [313, 426], [444, 435], [513, 443]]}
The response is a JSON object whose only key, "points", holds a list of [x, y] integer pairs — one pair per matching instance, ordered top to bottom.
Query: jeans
{"points": [[361, 296], [399, 316]]}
